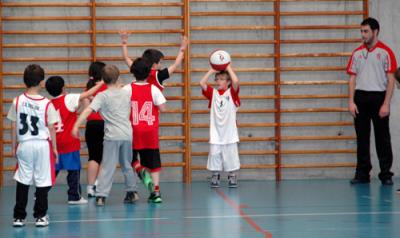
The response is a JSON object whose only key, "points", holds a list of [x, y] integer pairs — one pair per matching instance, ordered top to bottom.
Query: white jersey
{"points": [[32, 118], [223, 128]]}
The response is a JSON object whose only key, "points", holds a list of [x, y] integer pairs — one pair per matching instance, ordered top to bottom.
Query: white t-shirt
{"points": [[370, 66], [158, 97], [71, 101], [114, 105], [223, 107], [32, 114], [52, 115]]}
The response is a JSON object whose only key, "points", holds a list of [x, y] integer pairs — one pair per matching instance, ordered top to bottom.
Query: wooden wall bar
{"points": [[273, 77]]}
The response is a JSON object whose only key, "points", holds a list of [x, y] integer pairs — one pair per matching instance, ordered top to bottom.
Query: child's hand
{"points": [[124, 36], [184, 43], [212, 71], [75, 132]]}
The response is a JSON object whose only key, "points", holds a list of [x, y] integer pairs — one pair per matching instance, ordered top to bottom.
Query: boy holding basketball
{"points": [[223, 103]]}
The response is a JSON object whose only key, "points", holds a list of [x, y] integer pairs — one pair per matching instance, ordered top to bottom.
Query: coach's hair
{"points": [[371, 22], [153, 56], [140, 68], [94, 72], [110, 74], [33, 75], [54, 85]]}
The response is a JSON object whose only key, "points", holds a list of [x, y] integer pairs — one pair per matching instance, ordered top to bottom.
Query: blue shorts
{"points": [[69, 161]]}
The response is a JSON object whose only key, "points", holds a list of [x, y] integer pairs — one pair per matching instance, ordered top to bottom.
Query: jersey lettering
{"points": [[145, 114], [59, 125], [25, 127]]}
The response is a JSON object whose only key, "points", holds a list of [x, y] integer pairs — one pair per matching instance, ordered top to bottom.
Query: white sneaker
{"points": [[90, 189], [78, 202], [42, 221], [18, 222]]}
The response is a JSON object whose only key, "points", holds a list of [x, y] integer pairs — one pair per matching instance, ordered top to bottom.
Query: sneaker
{"points": [[145, 176], [215, 181], [232, 181], [359, 181], [387, 182], [91, 191], [131, 197], [155, 197], [81, 201], [100, 201], [42, 221], [18, 222]]}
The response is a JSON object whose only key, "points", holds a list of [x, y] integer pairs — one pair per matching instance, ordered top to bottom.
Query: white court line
{"points": [[299, 214], [226, 216], [107, 220]]}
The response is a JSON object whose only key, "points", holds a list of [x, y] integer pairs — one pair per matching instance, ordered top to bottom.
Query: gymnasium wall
{"points": [[293, 122]]}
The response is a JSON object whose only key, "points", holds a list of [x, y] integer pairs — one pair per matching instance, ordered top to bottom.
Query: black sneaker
{"points": [[215, 181], [232, 181], [359, 181], [387, 182], [131, 197], [155, 197], [100, 201]]}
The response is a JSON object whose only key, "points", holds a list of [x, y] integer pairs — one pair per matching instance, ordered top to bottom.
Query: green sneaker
{"points": [[145, 176], [155, 197]]}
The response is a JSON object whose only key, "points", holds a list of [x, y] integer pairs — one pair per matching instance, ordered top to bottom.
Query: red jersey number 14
{"points": [[145, 114]]}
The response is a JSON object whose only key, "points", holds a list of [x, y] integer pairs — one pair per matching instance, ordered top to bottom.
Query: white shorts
{"points": [[223, 157], [36, 163]]}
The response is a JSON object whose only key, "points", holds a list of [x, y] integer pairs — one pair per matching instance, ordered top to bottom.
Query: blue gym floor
{"points": [[289, 209]]}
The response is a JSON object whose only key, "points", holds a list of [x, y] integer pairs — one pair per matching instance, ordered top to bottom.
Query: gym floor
{"points": [[289, 209]]}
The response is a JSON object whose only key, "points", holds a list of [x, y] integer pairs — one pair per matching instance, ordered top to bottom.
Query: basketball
{"points": [[219, 60]]}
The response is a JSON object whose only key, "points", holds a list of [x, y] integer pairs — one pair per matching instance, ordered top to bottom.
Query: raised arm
{"points": [[124, 43], [179, 57], [234, 77], [204, 80], [92, 91]]}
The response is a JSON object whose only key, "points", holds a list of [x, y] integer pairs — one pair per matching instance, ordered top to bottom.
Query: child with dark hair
{"points": [[157, 75], [146, 100], [223, 104], [67, 106], [114, 106], [94, 132], [34, 146]]}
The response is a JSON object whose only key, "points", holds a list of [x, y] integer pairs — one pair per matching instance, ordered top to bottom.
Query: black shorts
{"points": [[94, 136], [149, 158]]}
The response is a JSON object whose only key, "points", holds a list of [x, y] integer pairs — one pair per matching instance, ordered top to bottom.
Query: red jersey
{"points": [[153, 79], [95, 116], [144, 118], [66, 143]]}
